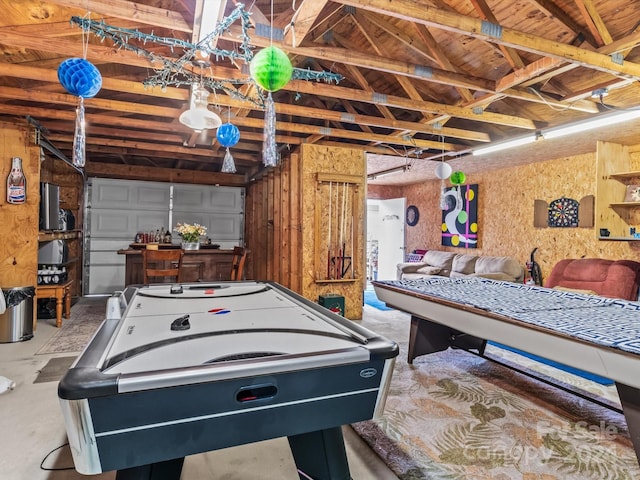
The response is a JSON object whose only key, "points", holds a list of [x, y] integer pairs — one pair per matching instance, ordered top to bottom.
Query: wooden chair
{"points": [[237, 263], [154, 264]]}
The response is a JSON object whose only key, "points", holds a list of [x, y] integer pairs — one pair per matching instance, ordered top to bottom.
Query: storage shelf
{"points": [[624, 176], [625, 204], [66, 235], [620, 239]]}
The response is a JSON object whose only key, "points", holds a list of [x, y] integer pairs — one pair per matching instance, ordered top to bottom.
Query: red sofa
{"points": [[607, 278]]}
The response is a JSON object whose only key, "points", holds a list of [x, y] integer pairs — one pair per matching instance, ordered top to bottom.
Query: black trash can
{"points": [[16, 323]]}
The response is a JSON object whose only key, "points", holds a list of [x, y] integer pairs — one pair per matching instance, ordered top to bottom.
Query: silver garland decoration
{"points": [[79, 137], [269, 147], [228, 165]]}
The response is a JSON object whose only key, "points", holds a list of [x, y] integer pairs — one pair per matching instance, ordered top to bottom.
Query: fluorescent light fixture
{"points": [[597, 122], [496, 147], [386, 173]]}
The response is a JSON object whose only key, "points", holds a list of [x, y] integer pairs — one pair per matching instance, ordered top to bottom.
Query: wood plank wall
{"points": [[280, 223], [272, 225], [19, 237]]}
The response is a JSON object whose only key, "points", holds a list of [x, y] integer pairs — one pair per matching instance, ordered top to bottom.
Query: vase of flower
{"points": [[190, 235], [190, 245]]}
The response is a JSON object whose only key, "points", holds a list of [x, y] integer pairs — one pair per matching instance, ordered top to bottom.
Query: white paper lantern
{"points": [[443, 170]]}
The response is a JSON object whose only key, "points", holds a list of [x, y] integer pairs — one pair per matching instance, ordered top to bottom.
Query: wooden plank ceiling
{"points": [[422, 79]]}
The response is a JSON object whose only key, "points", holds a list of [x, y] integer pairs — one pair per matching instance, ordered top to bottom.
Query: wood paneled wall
{"points": [[505, 213], [280, 224], [19, 245]]}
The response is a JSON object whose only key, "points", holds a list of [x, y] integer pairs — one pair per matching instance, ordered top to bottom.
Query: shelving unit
{"points": [[612, 177], [66, 235]]}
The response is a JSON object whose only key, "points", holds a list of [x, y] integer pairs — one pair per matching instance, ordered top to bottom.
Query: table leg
{"points": [[59, 298], [67, 302], [427, 336], [630, 400], [321, 455], [167, 470]]}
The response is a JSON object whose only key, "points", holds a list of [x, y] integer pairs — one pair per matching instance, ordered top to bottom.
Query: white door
{"points": [[385, 230]]}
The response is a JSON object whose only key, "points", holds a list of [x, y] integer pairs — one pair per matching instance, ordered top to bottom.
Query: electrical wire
{"points": [[546, 102], [46, 457]]}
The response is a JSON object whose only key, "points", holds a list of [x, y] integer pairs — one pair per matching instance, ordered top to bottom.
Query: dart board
{"points": [[563, 212]]}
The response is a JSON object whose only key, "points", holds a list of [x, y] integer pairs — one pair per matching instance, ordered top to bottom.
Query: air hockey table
{"points": [[595, 334], [184, 369]]}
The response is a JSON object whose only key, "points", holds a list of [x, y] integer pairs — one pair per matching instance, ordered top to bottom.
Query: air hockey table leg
{"points": [[630, 400], [321, 455], [167, 470]]}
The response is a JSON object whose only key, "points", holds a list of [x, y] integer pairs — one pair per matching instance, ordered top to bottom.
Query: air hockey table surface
{"points": [[197, 367]]}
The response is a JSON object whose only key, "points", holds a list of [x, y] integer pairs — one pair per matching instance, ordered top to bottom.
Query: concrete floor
{"points": [[31, 428]]}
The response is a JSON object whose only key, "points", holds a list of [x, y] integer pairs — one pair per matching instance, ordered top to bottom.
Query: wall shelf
{"points": [[624, 176], [625, 204], [66, 235], [619, 239]]}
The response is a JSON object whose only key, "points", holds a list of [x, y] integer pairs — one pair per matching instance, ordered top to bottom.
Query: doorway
{"points": [[385, 237]]}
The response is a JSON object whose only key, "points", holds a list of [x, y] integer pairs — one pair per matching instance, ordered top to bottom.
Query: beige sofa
{"points": [[455, 265]]}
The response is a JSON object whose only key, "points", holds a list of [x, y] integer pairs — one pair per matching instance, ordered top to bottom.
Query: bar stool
{"points": [[237, 263], [154, 264]]}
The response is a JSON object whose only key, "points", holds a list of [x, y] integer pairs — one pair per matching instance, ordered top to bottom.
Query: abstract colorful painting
{"points": [[460, 216]]}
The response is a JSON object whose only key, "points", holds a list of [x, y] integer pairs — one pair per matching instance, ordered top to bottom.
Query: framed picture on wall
{"points": [[460, 216]]}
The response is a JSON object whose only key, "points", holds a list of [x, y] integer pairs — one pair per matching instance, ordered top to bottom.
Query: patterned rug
{"points": [[86, 316], [453, 415]]}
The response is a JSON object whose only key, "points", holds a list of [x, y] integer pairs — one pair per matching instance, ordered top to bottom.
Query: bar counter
{"points": [[206, 264]]}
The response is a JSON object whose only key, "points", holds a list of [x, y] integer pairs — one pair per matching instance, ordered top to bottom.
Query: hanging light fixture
{"points": [[199, 117]]}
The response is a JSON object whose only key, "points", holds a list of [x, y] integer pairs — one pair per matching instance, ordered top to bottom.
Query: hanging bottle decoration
{"points": [[271, 69], [81, 78], [228, 135], [16, 183]]}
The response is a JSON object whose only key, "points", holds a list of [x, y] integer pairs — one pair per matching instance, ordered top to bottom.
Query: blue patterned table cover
{"points": [[602, 321]]}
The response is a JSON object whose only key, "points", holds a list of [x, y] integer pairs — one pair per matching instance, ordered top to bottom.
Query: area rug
{"points": [[86, 316], [54, 369], [457, 416]]}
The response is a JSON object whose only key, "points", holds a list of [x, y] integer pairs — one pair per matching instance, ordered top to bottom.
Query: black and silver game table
{"points": [[198, 367]]}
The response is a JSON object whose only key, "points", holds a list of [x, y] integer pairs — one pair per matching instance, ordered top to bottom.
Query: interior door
{"points": [[385, 237]]}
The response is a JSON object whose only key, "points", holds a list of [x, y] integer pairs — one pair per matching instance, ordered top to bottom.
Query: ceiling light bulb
{"points": [[199, 117]]}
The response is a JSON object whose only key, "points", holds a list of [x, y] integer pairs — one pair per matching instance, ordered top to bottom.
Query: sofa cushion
{"points": [[436, 258], [464, 264], [504, 265], [429, 270], [495, 276]]}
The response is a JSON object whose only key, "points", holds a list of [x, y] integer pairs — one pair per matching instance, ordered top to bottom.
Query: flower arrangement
{"points": [[190, 233]]}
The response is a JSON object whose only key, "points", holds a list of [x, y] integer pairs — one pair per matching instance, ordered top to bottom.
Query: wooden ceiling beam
{"points": [[412, 11], [141, 13], [558, 15], [302, 21], [594, 22], [510, 54], [359, 59]]}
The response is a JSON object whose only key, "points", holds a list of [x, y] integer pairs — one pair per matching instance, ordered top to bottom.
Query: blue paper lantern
{"points": [[80, 77], [228, 135]]}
